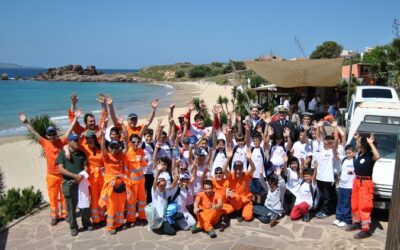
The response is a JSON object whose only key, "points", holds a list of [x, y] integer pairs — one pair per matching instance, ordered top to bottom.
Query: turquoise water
{"points": [[53, 98]]}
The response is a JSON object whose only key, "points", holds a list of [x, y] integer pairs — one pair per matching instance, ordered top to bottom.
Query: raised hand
{"points": [[74, 98], [101, 98], [109, 99], [155, 103], [202, 104], [172, 106], [219, 108], [215, 109], [78, 113], [22, 117], [238, 118], [267, 119], [121, 120], [159, 121], [320, 123], [334, 124], [247, 126], [259, 129], [270, 131], [286, 132], [179, 134], [371, 139], [286, 159], [315, 164], [159, 166], [278, 171]]}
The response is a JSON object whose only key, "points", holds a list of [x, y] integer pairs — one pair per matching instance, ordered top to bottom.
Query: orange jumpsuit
{"points": [[135, 162], [95, 164], [115, 174], [54, 177], [220, 187], [242, 197], [207, 218]]}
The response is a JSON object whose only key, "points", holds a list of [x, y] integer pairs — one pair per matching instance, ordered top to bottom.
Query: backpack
{"points": [[151, 145], [216, 153], [262, 155], [172, 207], [155, 221]]}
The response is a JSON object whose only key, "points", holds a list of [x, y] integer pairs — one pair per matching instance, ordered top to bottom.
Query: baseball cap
{"points": [[132, 115], [181, 116], [50, 130], [89, 133], [73, 137], [193, 139], [186, 140], [114, 144], [201, 152], [217, 169], [185, 176]]}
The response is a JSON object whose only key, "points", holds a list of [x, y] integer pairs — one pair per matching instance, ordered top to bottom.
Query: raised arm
{"points": [[74, 101], [110, 104], [153, 105], [78, 113], [22, 117], [239, 124], [270, 133], [247, 134], [286, 134], [125, 135], [103, 138], [229, 155], [376, 155], [250, 161], [158, 171], [314, 177]]}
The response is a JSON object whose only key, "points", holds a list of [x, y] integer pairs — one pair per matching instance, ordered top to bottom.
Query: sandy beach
{"points": [[23, 166]]}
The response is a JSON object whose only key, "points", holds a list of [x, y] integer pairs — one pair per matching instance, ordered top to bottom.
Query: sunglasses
{"points": [[306, 118], [135, 142], [219, 172]]}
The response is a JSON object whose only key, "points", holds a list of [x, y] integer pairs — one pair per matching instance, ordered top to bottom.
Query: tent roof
{"points": [[302, 73]]}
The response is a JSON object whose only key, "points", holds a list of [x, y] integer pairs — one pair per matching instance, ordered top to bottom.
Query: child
{"points": [[148, 146], [278, 148], [258, 157], [294, 180], [304, 200], [273, 206], [343, 208]]}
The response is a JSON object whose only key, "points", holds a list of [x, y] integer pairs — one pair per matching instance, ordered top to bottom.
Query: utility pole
{"points": [[300, 47], [350, 81]]}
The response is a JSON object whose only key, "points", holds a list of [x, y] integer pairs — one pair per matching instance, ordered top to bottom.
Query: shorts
{"points": [[255, 186]]}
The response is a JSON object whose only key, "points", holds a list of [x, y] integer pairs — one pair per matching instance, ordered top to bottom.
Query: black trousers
{"points": [[148, 184], [70, 191], [328, 198], [288, 202], [166, 228]]}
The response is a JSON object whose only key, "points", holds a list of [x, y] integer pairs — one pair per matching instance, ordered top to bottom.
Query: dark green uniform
{"points": [[70, 189]]}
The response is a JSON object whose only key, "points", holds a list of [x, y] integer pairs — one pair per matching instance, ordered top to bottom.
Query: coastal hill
{"points": [[16, 66], [221, 73]]}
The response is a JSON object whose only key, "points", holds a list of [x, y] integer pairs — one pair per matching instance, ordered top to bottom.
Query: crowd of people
{"points": [[186, 176]]}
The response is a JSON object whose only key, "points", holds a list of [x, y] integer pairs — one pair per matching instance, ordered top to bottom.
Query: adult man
{"points": [[286, 103], [302, 104], [312, 105], [88, 119], [255, 119], [131, 123], [280, 125], [52, 144], [71, 172], [239, 181], [207, 207]]}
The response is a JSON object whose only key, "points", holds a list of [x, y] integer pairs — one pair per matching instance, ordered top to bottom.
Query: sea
{"points": [[53, 98]]}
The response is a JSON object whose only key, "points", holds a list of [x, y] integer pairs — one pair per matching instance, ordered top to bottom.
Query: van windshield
{"points": [[376, 93], [382, 119], [386, 145]]}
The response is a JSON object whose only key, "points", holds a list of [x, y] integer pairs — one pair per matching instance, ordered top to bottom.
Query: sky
{"points": [[132, 34]]}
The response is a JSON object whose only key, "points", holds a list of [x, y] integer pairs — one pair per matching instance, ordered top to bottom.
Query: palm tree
{"points": [[220, 101], [225, 101], [39, 124]]}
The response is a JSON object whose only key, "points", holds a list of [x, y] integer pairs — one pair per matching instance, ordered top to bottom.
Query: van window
{"points": [[376, 93], [382, 119], [386, 145]]}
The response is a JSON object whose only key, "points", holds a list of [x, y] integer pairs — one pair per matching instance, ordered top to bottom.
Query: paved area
{"points": [[35, 232]]}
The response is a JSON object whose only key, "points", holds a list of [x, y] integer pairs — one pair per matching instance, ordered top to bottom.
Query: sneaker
{"points": [[321, 215], [306, 217], [239, 218], [226, 219], [274, 221], [54, 222], [336, 222], [130, 224], [342, 224], [353, 226], [89, 228], [196, 229], [74, 232], [112, 232], [212, 233], [362, 235]]}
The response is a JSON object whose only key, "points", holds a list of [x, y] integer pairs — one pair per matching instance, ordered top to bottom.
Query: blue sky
{"points": [[133, 34]]}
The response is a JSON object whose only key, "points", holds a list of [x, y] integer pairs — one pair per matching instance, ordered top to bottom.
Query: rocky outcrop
{"points": [[76, 73], [4, 76]]}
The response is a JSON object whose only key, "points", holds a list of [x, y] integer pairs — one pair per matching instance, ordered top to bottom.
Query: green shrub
{"points": [[216, 64], [199, 71], [179, 74], [2, 185], [16, 203]]}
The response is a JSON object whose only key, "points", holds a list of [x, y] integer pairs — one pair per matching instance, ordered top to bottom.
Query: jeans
{"points": [[343, 208], [264, 214]]}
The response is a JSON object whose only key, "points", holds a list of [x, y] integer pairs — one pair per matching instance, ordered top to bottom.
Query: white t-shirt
{"points": [[286, 104], [312, 105], [302, 106], [165, 150], [300, 150], [148, 154], [277, 154], [240, 155], [256, 157], [219, 161], [325, 161], [347, 174], [165, 175], [293, 181], [197, 185], [305, 195], [181, 199], [158, 200]]}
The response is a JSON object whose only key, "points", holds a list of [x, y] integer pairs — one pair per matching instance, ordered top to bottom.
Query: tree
{"points": [[326, 50], [199, 71], [256, 81]]}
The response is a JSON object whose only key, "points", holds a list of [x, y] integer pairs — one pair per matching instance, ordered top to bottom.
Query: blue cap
{"points": [[132, 115], [51, 130], [73, 137], [193, 139]]}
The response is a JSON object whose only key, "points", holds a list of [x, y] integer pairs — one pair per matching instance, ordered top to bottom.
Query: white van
{"points": [[369, 94], [383, 120]]}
